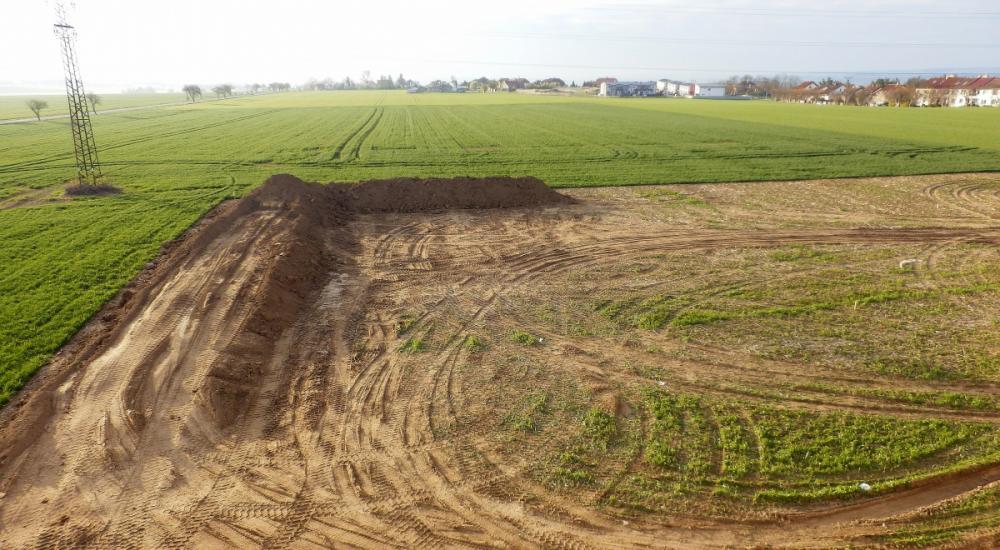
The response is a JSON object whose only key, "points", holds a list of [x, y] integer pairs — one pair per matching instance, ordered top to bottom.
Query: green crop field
{"points": [[13, 107], [61, 259]]}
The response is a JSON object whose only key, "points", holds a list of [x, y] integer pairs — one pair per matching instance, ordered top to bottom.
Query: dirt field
{"points": [[492, 364]]}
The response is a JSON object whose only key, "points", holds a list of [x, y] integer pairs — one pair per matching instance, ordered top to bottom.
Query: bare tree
{"points": [[192, 91], [94, 101], [36, 106]]}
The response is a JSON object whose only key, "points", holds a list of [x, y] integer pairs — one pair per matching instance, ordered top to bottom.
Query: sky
{"points": [[168, 43]]}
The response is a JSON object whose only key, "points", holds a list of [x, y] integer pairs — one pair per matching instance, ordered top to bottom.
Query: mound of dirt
{"points": [[89, 190], [405, 194], [419, 195]]}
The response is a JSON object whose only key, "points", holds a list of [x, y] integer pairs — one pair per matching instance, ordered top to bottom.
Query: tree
{"points": [[366, 79], [439, 86], [255, 88], [223, 90], [192, 91], [94, 101], [36, 106]]}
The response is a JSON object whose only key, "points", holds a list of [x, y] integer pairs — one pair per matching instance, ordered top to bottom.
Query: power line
{"points": [[798, 12], [699, 41], [979, 70]]}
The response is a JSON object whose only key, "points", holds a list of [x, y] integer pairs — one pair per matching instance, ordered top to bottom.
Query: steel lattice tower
{"points": [[88, 168]]}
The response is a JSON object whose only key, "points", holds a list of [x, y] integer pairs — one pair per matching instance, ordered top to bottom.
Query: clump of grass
{"points": [[405, 324], [524, 338], [473, 344], [413, 345], [525, 417], [599, 427], [571, 471]]}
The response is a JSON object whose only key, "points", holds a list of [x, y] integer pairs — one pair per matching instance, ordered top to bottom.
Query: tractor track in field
{"points": [[254, 389]]}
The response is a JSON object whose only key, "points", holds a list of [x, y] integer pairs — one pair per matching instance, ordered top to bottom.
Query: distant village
{"points": [[945, 91]]}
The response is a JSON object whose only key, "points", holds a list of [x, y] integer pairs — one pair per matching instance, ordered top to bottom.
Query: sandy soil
{"points": [[249, 389]]}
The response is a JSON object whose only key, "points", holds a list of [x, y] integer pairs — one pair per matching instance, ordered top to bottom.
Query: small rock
{"points": [[662, 383], [865, 487]]}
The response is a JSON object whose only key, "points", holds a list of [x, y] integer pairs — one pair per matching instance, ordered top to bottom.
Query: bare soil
{"points": [[260, 384]]}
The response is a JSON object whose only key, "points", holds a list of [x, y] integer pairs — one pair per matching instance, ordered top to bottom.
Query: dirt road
{"points": [[253, 389]]}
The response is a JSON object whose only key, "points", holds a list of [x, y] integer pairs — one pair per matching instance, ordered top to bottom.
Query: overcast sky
{"points": [[167, 43]]}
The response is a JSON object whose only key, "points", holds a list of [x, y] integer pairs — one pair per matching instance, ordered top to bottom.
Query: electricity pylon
{"points": [[88, 167]]}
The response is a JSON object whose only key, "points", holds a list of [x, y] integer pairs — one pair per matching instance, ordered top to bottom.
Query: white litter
{"points": [[662, 383], [865, 487]]}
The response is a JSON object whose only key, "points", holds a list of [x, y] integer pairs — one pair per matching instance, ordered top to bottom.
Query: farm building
{"points": [[628, 89], [953, 91]]}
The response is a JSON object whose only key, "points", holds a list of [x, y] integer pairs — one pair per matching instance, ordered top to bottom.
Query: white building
{"points": [[668, 87], [628, 89], [711, 90]]}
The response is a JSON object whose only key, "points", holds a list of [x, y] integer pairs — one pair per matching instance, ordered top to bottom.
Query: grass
{"points": [[63, 258], [855, 313], [524, 338], [413, 345], [525, 417], [772, 454], [951, 521]]}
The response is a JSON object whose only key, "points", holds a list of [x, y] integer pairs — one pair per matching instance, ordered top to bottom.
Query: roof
{"points": [[962, 83], [805, 85]]}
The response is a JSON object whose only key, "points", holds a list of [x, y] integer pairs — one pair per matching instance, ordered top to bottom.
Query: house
{"points": [[512, 84], [806, 86], [628, 89], [955, 91], [828, 93], [893, 94]]}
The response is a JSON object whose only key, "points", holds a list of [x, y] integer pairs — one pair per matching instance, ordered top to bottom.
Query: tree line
{"points": [[387, 82], [193, 92]]}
